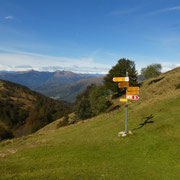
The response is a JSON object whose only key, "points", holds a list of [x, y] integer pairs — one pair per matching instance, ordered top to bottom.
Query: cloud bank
{"points": [[11, 60]]}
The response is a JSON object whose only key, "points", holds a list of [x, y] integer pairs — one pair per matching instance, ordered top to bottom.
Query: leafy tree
{"points": [[119, 70], [151, 71], [99, 99], [93, 101], [83, 106], [83, 109]]}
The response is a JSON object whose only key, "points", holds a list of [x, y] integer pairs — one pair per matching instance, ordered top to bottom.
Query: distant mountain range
{"points": [[37, 78], [62, 85], [69, 92]]}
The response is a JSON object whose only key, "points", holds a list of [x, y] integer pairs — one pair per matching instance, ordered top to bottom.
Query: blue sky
{"points": [[88, 35]]}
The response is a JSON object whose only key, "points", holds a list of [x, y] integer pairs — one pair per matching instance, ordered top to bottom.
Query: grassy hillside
{"points": [[23, 111], [92, 149]]}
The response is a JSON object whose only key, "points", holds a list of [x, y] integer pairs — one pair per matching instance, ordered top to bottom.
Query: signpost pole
{"points": [[131, 94], [126, 111]]}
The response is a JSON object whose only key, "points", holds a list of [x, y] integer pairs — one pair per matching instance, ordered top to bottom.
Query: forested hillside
{"points": [[23, 111]]}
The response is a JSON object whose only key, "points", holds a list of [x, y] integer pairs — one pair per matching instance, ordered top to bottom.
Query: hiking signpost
{"points": [[131, 94]]}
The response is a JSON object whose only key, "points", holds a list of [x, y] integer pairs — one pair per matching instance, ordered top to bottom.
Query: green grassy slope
{"points": [[92, 150]]}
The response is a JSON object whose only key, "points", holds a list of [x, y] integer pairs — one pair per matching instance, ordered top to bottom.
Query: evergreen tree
{"points": [[119, 70], [99, 99], [83, 106]]}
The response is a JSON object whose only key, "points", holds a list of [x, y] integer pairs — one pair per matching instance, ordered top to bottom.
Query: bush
{"points": [[178, 86], [64, 122], [5, 133]]}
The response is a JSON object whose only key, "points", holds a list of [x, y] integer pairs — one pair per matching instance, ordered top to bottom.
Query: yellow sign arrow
{"points": [[120, 79], [123, 84], [133, 89], [132, 92]]}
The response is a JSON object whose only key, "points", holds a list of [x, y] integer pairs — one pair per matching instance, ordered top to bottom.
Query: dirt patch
{"points": [[7, 152], [2, 155]]}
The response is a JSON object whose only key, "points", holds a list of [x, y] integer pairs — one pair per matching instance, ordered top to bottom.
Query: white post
{"points": [[126, 111]]}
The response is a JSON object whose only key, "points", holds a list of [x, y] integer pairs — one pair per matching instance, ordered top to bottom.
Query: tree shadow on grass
{"points": [[147, 120]]}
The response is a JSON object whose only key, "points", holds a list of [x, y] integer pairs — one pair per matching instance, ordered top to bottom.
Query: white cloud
{"points": [[176, 8], [9, 17], [12, 60], [18, 60], [166, 66]]}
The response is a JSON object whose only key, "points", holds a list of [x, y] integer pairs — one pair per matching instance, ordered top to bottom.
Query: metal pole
{"points": [[126, 111]]}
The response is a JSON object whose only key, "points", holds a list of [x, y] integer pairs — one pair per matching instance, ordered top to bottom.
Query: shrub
{"points": [[178, 86], [64, 122], [5, 133]]}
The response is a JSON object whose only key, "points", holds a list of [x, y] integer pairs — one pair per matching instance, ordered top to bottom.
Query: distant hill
{"points": [[37, 79], [61, 85], [69, 92], [23, 111]]}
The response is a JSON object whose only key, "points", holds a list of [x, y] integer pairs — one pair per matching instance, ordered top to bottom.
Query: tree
{"points": [[119, 70], [151, 71], [99, 99], [93, 101], [82, 108]]}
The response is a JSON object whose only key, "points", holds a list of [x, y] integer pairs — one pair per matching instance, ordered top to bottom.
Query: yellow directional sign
{"points": [[120, 79], [123, 84], [133, 89], [132, 92], [123, 100]]}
